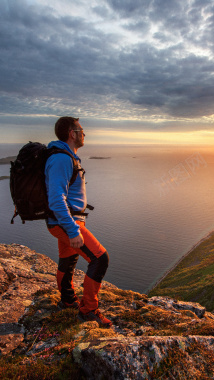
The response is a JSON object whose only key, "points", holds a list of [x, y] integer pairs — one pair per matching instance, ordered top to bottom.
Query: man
{"points": [[73, 237]]}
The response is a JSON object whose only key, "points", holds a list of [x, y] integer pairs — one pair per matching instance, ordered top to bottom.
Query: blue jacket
{"points": [[58, 172]]}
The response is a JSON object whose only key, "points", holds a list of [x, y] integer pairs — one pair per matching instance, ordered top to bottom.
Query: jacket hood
{"points": [[63, 145]]}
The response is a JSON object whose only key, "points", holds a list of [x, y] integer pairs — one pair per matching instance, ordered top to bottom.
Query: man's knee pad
{"points": [[103, 261], [67, 263], [97, 267]]}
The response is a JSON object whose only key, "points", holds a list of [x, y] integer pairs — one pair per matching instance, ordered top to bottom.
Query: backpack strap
{"points": [[76, 168], [90, 207], [82, 213], [14, 215]]}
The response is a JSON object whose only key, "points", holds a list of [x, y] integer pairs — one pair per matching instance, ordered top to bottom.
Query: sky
{"points": [[133, 71]]}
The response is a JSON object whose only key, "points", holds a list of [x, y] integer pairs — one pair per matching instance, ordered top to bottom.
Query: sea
{"points": [[152, 204]]}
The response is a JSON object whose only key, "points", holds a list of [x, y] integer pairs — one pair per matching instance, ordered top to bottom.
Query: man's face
{"points": [[79, 135]]}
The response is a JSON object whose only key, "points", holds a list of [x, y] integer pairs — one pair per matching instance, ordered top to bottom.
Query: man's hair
{"points": [[63, 126]]}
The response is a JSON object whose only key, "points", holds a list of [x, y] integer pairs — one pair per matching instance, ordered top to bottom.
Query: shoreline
{"points": [[7, 160], [182, 257]]}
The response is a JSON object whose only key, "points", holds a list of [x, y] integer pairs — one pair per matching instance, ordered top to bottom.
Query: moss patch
{"points": [[54, 368]]}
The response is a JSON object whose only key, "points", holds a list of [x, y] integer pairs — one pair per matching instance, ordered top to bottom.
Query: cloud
{"points": [[110, 59]]}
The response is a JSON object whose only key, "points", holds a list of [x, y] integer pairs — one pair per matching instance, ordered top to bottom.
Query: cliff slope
{"points": [[192, 278], [151, 338]]}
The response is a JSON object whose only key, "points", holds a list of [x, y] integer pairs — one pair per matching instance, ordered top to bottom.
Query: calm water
{"points": [[151, 206]]}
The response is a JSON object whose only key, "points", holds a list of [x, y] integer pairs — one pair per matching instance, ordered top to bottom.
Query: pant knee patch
{"points": [[104, 260], [67, 262], [97, 267]]}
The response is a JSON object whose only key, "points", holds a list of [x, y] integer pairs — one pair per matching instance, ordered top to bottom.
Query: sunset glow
{"points": [[169, 138]]}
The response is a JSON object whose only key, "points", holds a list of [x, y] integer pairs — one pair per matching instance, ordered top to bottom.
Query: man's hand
{"points": [[77, 242]]}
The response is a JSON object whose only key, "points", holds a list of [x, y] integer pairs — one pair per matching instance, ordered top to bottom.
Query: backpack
{"points": [[27, 181]]}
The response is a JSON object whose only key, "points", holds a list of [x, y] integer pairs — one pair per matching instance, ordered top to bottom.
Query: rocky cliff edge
{"points": [[151, 338]]}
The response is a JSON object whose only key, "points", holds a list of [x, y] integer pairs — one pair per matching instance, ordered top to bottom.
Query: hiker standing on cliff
{"points": [[73, 237]]}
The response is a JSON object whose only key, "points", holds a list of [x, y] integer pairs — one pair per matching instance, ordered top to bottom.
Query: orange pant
{"points": [[96, 256]]}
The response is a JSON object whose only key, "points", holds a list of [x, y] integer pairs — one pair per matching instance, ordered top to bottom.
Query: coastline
{"points": [[7, 160], [181, 259]]}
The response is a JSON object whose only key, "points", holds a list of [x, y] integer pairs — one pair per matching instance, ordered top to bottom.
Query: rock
{"points": [[23, 272], [19, 282], [168, 303], [192, 306], [11, 335], [151, 338], [42, 346], [131, 358]]}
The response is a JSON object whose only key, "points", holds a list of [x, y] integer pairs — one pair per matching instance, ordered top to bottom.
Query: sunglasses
{"points": [[78, 130]]}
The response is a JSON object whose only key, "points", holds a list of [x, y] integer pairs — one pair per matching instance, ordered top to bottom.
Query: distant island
{"points": [[98, 158], [6, 160], [3, 161]]}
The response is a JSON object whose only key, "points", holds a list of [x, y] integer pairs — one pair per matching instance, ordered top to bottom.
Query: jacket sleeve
{"points": [[58, 171]]}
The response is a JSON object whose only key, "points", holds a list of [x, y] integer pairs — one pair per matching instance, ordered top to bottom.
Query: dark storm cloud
{"points": [[156, 11], [44, 54], [48, 60], [183, 87]]}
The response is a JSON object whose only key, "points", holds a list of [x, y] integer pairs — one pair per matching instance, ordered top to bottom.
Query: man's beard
{"points": [[79, 142]]}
